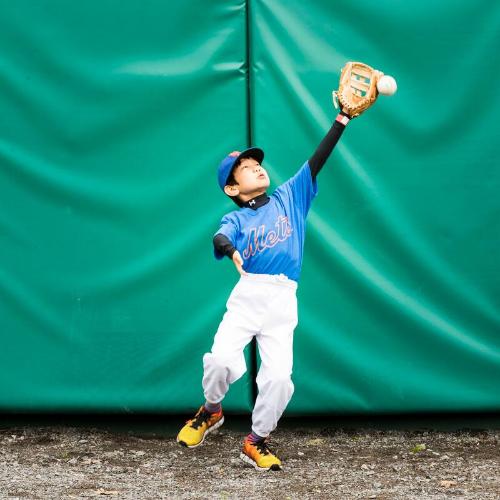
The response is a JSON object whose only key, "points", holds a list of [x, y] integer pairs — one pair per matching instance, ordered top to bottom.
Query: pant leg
{"points": [[226, 362], [274, 381]]}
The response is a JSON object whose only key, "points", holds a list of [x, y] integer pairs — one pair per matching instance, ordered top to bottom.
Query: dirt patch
{"points": [[323, 463]]}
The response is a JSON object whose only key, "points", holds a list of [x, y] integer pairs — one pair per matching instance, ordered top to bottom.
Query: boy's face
{"points": [[252, 180]]}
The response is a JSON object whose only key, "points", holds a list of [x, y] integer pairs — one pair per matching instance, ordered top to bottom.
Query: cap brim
{"points": [[255, 153]]}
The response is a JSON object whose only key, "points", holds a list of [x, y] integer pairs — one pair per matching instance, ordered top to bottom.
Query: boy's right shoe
{"points": [[195, 430], [259, 455]]}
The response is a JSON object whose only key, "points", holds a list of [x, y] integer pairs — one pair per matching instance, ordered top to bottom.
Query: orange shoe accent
{"points": [[259, 455]]}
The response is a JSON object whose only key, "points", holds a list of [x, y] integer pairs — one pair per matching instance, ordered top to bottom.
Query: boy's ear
{"points": [[231, 190]]}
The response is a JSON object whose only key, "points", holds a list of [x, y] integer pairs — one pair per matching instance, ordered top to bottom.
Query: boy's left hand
{"points": [[238, 262]]}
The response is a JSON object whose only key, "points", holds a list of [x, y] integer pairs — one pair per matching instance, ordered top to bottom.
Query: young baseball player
{"points": [[265, 240]]}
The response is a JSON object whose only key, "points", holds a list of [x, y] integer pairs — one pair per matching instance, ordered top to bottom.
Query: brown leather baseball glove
{"points": [[357, 88]]}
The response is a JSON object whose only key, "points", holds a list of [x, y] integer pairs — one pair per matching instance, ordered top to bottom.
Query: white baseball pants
{"points": [[264, 306]]}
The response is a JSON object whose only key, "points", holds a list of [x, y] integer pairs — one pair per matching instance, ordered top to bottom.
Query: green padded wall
{"points": [[114, 115], [114, 118], [400, 293]]}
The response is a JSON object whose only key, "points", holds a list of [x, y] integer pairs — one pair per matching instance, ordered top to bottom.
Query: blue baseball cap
{"points": [[227, 164]]}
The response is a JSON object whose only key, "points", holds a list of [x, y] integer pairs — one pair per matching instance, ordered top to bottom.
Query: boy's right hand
{"points": [[238, 262]]}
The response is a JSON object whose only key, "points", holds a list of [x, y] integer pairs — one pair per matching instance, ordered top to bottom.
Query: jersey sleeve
{"points": [[302, 188], [229, 228]]}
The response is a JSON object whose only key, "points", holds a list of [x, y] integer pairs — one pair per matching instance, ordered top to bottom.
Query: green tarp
{"points": [[114, 118]]}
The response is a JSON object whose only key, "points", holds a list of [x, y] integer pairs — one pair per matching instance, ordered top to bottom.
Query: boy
{"points": [[265, 241]]}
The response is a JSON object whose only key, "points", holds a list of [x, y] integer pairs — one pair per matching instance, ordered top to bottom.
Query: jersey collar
{"points": [[257, 202]]}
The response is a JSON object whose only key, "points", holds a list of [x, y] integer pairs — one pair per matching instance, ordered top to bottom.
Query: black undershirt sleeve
{"points": [[325, 147], [223, 246]]}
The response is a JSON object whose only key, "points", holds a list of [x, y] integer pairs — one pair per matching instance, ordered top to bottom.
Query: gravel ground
{"points": [[61, 461]]}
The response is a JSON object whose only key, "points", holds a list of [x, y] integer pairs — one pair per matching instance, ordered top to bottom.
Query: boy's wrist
{"points": [[343, 118]]}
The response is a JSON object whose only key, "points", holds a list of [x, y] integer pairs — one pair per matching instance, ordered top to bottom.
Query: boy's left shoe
{"points": [[194, 432], [259, 455]]}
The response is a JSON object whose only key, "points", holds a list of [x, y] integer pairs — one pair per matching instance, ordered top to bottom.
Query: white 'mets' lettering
{"points": [[258, 240]]}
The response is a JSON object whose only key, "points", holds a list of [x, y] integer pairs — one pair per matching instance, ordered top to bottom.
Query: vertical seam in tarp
{"points": [[253, 343]]}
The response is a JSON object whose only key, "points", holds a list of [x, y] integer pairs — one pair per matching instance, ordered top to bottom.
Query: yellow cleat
{"points": [[195, 430], [259, 455]]}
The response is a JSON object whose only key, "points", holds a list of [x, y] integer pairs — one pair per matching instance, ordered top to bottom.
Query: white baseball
{"points": [[386, 85]]}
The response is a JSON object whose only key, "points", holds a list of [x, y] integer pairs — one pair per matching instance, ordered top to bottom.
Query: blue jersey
{"points": [[270, 239]]}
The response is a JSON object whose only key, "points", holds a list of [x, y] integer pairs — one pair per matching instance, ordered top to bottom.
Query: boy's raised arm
{"points": [[326, 146]]}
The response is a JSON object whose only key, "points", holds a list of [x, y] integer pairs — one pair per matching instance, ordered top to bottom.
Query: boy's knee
{"points": [[233, 367], [276, 379]]}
